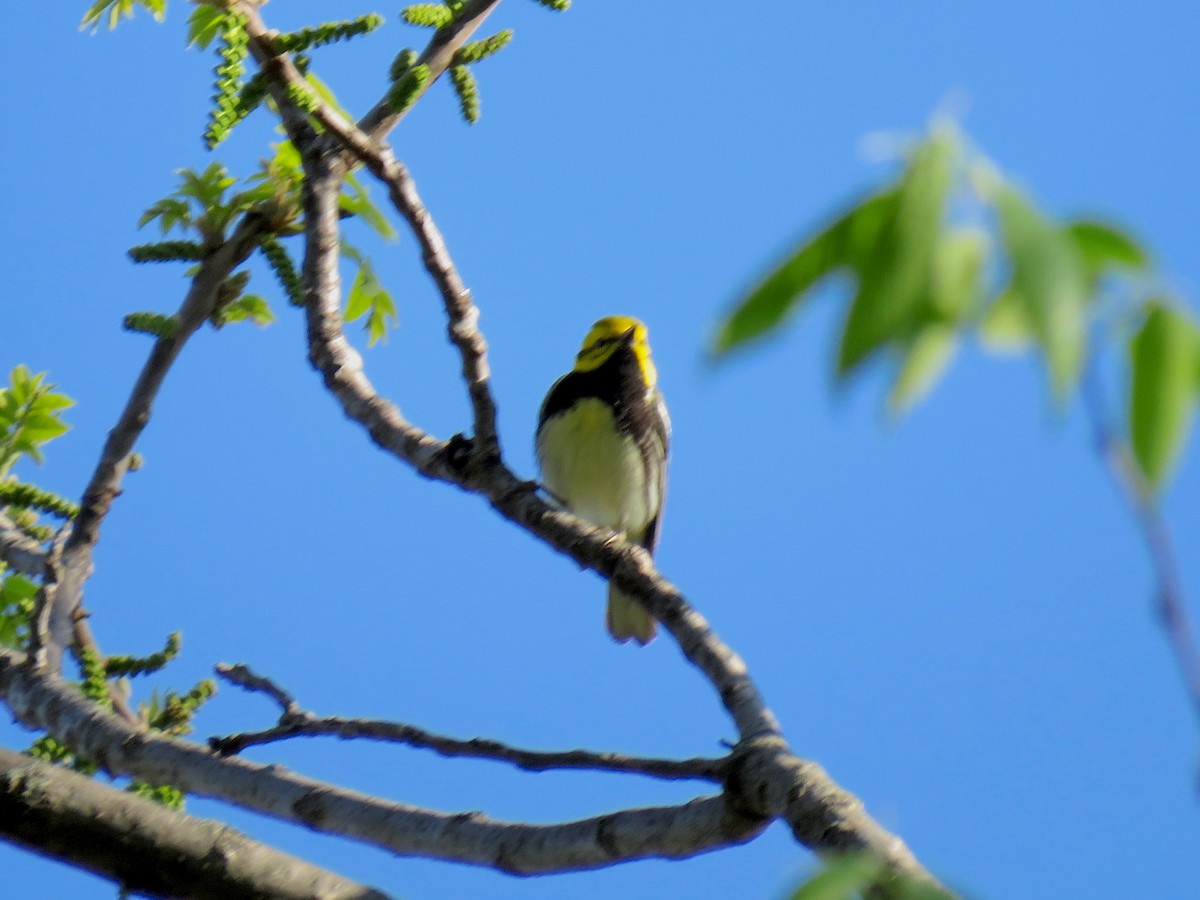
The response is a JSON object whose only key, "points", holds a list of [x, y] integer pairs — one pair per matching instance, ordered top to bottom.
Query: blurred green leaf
{"points": [[115, 10], [204, 25], [356, 199], [198, 202], [840, 245], [1103, 246], [958, 265], [895, 281], [1049, 284], [367, 296], [247, 307], [1006, 327], [1165, 354], [925, 360], [28, 417], [17, 595], [841, 879]]}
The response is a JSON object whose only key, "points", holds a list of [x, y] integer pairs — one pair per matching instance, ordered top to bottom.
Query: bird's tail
{"points": [[628, 619]]}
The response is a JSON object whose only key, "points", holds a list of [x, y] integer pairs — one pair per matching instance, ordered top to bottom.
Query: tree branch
{"points": [[438, 55], [105, 483], [19, 551], [43, 700], [295, 722], [147, 848]]}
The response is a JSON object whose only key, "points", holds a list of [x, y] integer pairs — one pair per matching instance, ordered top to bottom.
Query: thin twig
{"points": [[1170, 600], [244, 677], [295, 722]]}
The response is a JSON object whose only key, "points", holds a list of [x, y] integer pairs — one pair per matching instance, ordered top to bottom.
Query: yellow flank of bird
{"points": [[602, 444]]}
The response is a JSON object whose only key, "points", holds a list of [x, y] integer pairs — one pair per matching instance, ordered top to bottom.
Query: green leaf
{"points": [[115, 10], [204, 25], [358, 202], [840, 245], [1103, 246], [958, 272], [895, 281], [1049, 282], [367, 296], [247, 307], [1006, 327], [1165, 354], [926, 358], [28, 416], [17, 595], [841, 879]]}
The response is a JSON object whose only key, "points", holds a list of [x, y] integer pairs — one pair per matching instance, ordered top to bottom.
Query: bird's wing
{"points": [[658, 452]]}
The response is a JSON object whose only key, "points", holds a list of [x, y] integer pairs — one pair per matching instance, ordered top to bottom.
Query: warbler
{"points": [[602, 442]]}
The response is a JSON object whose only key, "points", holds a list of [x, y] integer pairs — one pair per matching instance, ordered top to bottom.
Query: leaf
{"points": [[118, 9], [204, 25], [325, 93], [359, 203], [840, 245], [1103, 246], [958, 271], [894, 282], [1049, 283], [367, 296], [358, 301], [248, 307], [1006, 327], [1165, 354], [926, 358], [28, 416], [842, 879]]}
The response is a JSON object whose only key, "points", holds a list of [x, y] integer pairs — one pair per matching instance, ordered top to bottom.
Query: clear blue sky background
{"points": [[952, 615]]}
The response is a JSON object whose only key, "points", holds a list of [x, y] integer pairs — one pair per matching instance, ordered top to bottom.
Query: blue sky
{"points": [[952, 615]]}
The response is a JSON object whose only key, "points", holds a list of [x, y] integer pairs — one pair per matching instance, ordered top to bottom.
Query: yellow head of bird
{"points": [[609, 335]]}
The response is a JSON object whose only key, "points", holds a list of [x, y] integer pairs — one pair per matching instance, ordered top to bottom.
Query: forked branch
{"points": [[296, 722]]}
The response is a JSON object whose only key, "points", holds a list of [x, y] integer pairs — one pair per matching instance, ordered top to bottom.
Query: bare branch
{"points": [[461, 311], [105, 482], [19, 551], [39, 621], [244, 677], [45, 701], [295, 722], [147, 848]]}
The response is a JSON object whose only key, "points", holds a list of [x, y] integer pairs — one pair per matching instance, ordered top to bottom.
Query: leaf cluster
{"points": [[115, 10], [952, 250], [368, 298], [29, 416]]}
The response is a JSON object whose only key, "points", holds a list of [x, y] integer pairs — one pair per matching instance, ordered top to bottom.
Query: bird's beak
{"points": [[627, 337]]}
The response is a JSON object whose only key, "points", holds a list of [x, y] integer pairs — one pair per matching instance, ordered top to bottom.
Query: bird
{"points": [[603, 439]]}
